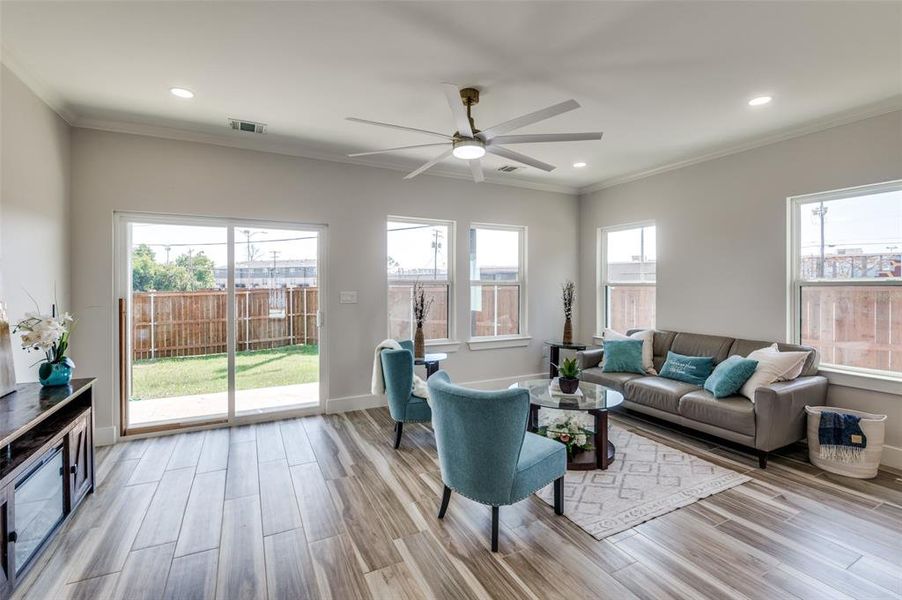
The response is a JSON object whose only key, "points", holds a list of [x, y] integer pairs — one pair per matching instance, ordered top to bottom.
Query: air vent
{"points": [[247, 126], [508, 168]]}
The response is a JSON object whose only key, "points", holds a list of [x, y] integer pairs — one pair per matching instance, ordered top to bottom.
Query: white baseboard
{"points": [[365, 401], [361, 402], [105, 436], [892, 457]]}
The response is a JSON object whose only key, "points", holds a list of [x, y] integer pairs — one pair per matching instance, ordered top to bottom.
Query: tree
{"points": [[188, 273]]}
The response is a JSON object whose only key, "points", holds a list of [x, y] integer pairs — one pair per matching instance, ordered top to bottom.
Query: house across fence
{"points": [[168, 324]]}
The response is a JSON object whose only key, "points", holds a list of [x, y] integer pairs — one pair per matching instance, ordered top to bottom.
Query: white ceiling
{"points": [[666, 82]]}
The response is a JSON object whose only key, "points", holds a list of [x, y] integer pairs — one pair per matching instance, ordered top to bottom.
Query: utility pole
{"points": [[820, 212], [248, 233], [436, 245], [167, 248]]}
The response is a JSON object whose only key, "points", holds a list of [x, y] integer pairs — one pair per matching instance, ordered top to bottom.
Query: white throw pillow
{"points": [[648, 345], [773, 366]]}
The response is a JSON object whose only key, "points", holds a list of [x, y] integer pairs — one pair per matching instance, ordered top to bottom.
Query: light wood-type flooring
{"points": [[323, 507]]}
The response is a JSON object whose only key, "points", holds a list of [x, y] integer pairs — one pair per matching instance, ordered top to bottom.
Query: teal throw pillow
{"points": [[623, 356], [691, 369], [730, 375]]}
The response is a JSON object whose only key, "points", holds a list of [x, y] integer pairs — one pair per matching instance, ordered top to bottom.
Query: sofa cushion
{"points": [[662, 342], [695, 344], [746, 347], [623, 356], [691, 369], [614, 381], [657, 392], [735, 413]]}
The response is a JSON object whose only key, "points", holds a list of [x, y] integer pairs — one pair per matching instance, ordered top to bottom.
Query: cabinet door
{"points": [[81, 464], [6, 519]]}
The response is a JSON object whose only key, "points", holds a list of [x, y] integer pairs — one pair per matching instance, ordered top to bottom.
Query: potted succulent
{"points": [[568, 291], [421, 307], [49, 334], [568, 375]]}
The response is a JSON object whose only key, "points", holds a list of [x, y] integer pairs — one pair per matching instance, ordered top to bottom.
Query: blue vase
{"points": [[55, 374]]}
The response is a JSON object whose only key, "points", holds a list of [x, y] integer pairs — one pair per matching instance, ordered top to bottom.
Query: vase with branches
{"points": [[568, 292], [421, 306]]}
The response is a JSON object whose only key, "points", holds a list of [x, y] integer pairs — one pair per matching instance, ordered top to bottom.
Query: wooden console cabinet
{"points": [[46, 469]]}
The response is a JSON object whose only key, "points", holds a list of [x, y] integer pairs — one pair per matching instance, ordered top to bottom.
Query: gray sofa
{"points": [[775, 419]]}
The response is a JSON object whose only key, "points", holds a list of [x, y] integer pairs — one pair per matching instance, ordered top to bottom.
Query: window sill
{"points": [[493, 343], [443, 345], [888, 384]]}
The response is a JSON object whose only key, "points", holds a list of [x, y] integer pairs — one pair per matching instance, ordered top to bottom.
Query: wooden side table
{"points": [[554, 354]]}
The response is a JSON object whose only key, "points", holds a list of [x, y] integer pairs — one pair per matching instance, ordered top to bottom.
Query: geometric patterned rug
{"points": [[646, 480]]}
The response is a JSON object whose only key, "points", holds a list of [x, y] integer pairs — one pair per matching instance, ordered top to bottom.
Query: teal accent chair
{"points": [[397, 370], [485, 452]]}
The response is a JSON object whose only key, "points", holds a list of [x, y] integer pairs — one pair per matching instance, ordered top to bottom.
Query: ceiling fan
{"points": [[471, 144]]}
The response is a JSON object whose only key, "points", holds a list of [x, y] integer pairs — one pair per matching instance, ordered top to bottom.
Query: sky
{"points": [[872, 223], [290, 244]]}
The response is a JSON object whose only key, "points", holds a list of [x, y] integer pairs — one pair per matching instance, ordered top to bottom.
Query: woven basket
{"points": [[873, 427]]}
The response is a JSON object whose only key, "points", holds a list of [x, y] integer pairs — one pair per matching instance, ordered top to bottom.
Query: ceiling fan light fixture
{"points": [[181, 93], [760, 100], [468, 149], [579, 165]]}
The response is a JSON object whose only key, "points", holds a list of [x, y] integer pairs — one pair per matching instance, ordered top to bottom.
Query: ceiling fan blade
{"points": [[533, 117], [461, 120], [401, 127], [537, 138], [394, 149], [520, 158], [428, 165], [476, 170]]}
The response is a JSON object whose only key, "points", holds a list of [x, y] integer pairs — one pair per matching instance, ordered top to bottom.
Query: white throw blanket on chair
{"points": [[378, 384]]}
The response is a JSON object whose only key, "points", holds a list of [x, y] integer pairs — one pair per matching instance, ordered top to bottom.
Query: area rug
{"points": [[646, 480]]}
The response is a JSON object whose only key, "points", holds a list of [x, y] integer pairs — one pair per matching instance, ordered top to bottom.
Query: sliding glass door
{"points": [[221, 320]]}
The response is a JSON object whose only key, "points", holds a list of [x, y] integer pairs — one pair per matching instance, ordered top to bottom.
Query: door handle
{"points": [[74, 469], [12, 537]]}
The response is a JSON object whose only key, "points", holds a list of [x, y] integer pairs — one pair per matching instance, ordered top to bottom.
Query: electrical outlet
{"points": [[347, 298]]}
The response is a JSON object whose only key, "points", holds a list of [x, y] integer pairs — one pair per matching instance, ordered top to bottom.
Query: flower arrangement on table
{"points": [[422, 304], [49, 334], [569, 432]]}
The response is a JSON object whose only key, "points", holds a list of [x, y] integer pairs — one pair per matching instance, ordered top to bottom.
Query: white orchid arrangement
{"points": [[48, 334], [569, 432]]}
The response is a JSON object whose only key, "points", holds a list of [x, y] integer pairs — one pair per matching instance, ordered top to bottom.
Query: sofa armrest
{"points": [[589, 358], [780, 417]]}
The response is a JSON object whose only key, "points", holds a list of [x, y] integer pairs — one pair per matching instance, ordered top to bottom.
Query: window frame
{"points": [[601, 275], [500, 341], [449, 343], [860, 377]]}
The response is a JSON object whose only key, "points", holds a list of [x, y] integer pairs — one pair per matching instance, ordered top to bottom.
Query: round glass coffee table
{"points": [[595, 400]]}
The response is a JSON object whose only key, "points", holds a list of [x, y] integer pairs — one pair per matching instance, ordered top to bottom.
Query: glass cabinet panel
{"points": [[38, 505]]}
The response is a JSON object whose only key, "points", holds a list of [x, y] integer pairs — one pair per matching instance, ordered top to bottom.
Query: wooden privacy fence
{"points": [[194, 323], [856, 326]]}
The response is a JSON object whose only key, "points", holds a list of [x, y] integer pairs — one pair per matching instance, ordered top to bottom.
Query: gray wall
{"points": [[115, 171], [34, 208], [722, 235]]}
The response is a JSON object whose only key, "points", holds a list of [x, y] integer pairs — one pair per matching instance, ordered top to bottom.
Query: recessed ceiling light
{"points": [[181, 93], [760, 101], [579, 165]]}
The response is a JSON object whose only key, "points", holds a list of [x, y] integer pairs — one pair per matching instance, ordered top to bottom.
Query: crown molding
{"points": [[36, 85], [891, 104], [240, 141]]}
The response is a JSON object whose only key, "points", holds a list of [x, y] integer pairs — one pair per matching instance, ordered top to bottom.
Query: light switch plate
{"points": [[347, 297]]}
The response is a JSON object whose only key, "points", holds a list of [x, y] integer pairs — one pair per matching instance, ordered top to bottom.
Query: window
{"points": [[420, 250], [497, 280], [846, 281], [626, 294]]}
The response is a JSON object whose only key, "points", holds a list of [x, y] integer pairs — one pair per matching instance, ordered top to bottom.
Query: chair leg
{"points": [[399, 429], [762, 459], [559, 496], [446, 497], [495, 511]]}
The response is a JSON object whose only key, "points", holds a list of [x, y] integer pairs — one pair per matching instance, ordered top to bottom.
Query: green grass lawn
{"points": [[167, 377]]}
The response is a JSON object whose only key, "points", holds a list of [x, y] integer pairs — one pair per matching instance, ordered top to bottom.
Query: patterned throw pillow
{"points": [[623, 356], [691, 369], [730, 375]]}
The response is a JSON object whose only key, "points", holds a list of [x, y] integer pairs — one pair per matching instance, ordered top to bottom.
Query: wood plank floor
{"points": [[323, 507]]}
